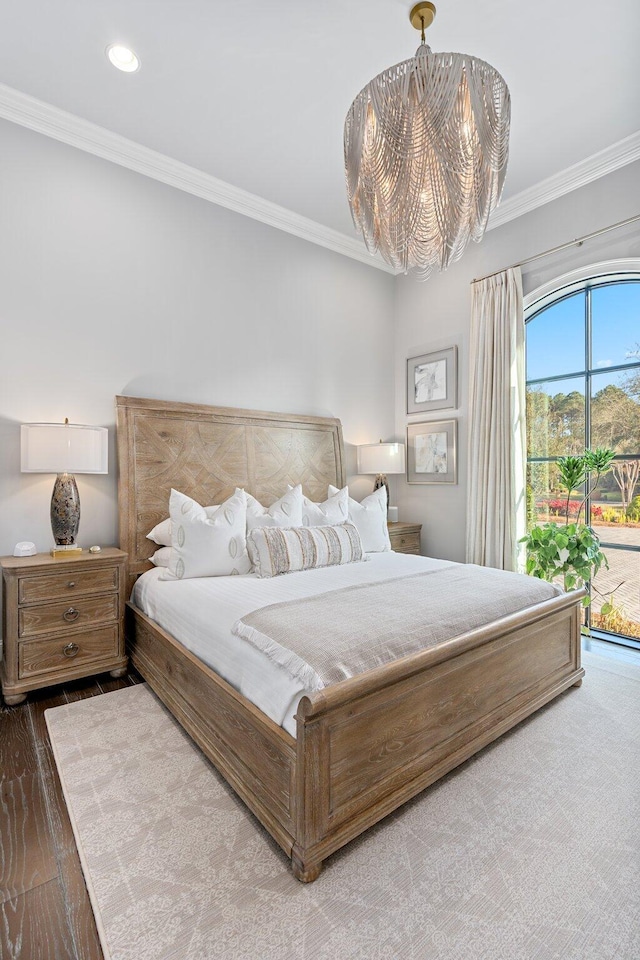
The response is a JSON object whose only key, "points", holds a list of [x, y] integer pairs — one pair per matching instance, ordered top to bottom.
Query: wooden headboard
{"points": [[206, 452]]}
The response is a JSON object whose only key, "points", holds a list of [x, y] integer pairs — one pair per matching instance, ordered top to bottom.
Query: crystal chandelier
{"points": [[426, 144]]}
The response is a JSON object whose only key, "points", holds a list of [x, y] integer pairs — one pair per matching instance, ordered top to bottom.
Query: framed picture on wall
{"points": [[432, 381], [431, 452]]}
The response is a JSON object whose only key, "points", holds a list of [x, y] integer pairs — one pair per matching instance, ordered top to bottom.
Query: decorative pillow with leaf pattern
{"points": [[206, 542]]}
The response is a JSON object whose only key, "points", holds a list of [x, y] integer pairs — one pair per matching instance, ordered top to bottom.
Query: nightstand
{"points": [[405, 537], [62, 619]]}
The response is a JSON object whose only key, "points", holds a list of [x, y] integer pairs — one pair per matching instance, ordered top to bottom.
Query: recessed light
{"points": [[123, 58]]}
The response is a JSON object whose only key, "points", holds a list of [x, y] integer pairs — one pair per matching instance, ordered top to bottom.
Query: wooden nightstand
{"points": [[405, 537], [62, 619]]}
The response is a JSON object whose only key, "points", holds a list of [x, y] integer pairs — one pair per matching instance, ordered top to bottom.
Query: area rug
{"points": [[529, 851]]}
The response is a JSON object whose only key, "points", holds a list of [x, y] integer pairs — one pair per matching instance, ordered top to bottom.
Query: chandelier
{"points": [[426, 144]]}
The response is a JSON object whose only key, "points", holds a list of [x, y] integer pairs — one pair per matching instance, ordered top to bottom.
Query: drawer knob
{"points": [[71, 584], [71, 614], [71, 650]]}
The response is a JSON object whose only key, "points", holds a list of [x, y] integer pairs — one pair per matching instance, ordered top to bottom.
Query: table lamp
{"points": [[65, 449], [381, 459]]}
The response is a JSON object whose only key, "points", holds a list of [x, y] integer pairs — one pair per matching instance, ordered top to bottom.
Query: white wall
{"points": [[112, 283], [435, 314]]}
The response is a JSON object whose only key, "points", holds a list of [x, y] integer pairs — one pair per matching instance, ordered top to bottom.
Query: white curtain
{"points": [[496, 500]]}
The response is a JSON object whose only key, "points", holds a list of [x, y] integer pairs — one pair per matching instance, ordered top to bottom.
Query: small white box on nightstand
{"points": [[24, 549]]}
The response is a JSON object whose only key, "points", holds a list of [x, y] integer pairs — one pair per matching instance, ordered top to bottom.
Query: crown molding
{"points": [[44, 118], [53, 122], [598, 165]]}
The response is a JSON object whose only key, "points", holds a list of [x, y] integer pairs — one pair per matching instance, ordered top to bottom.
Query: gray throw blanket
{"points": [[324, 639]]}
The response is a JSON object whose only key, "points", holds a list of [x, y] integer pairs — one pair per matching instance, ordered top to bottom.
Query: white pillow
{"points": [[332, 511], [285, 512], [370, 517], [161, 533], [205, 545], [276, 550], [161, 557]]}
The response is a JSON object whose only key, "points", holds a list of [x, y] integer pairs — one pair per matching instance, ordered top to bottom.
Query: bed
{"points": [[362, 746]]}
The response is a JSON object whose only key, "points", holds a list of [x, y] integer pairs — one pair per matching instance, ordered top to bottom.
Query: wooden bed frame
{"points": [[363, 746]]}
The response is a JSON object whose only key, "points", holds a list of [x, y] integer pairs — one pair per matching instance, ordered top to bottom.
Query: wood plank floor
{"points": [[45, 913]]}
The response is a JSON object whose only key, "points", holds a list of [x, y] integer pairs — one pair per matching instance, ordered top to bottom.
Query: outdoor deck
{"points": [[624, 569]]}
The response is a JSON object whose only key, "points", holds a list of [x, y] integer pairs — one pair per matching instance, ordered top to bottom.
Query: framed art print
{"points": [[432, 381], [431, 452]]}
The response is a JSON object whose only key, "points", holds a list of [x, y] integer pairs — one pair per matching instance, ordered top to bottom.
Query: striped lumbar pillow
{"points": [[275, 550]]}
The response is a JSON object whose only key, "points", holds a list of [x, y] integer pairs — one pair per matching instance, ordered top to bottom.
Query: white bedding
{"points": [[201, 612]]}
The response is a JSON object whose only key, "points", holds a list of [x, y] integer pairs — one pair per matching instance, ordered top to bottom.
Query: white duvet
{"points": [[201, 612]]}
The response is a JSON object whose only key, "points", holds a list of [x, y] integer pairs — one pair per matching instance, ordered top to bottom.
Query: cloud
{"points": [[604, 363]]}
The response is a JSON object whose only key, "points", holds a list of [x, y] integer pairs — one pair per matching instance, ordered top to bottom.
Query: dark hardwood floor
{"points": [[45, 913]]}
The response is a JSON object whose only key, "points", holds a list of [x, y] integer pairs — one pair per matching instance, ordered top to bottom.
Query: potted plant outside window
{"points": [[570, 550]]}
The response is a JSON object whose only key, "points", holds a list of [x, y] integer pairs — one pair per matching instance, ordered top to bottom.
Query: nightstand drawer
{"points": [[405, 537], [407, 543], [69, 583], [52, 617], [38, 657]]}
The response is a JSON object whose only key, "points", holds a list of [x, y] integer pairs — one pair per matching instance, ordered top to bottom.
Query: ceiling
{"points": [[256, 95]]}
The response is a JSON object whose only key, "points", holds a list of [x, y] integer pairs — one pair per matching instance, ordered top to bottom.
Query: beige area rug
{"points": [[530, 851]]}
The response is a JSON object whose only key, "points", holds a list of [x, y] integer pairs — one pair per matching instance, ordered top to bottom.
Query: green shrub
{"points": [[633, 510], [571, 552]]}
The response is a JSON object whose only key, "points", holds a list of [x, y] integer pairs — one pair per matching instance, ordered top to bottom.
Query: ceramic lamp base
{"points": [[65, 510]]}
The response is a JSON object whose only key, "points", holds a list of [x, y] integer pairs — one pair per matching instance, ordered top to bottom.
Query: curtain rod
{"points": [[563, 246]]}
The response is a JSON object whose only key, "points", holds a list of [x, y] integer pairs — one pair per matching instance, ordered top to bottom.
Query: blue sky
{"points": [[556, 337]]}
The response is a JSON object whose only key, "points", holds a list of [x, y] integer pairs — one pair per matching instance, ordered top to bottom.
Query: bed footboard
{"points": [[368, 744]]}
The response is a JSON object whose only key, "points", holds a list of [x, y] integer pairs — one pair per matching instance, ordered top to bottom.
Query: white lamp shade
{"points": [[63, 448], [381, 458]]}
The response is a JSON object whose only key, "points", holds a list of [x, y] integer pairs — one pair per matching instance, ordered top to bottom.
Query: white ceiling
{"points": [[256, 94]]}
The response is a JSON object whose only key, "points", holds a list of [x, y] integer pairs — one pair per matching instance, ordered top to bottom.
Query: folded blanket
{"points": [[324, 639]]}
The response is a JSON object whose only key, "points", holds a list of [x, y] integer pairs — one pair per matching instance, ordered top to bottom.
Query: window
{"points": [[583, 390]]}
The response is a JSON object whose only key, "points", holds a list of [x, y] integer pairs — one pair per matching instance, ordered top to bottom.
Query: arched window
{"points": [[583, 391]]}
